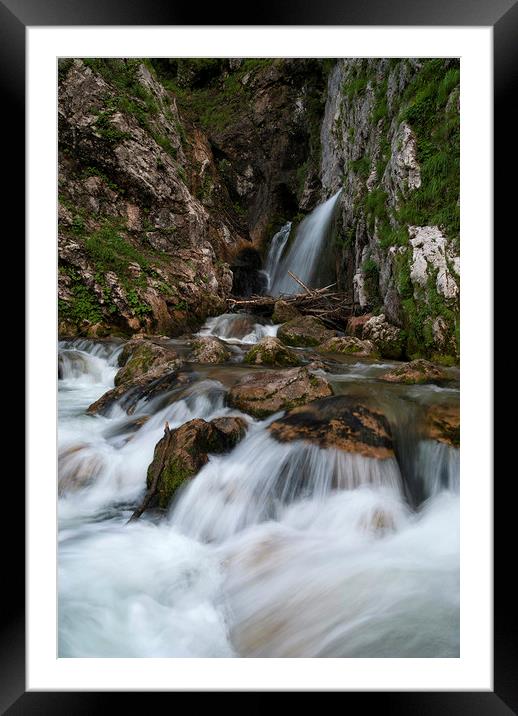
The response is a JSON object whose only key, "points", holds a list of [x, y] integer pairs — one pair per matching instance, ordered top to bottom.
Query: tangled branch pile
{"points": [[332, 307]]}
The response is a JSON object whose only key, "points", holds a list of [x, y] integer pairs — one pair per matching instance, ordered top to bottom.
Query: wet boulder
{"points": [[284, 311], [304, 331], [388, 339], [349, 345], [209, 349], [270, 351], [140, 355], [417, 371], [266, 392], [127, 395], [339, 422], [443, 423], [231, 430], [181, 453]]}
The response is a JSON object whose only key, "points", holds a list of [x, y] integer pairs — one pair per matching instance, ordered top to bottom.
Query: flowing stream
{"points": [[272, 550]]}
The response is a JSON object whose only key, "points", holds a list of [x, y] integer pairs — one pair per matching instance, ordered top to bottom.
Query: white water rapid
{"points": [[305, 253], [273, 549]]}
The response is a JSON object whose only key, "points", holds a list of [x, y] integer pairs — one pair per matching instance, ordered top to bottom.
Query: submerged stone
{"points": [[157, 380], [339, 422]]}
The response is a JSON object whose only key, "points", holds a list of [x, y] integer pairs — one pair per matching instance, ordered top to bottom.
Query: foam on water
{"points": [[272, 550]]}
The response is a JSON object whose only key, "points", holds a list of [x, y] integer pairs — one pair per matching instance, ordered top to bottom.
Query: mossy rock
{"points": [[283, 312], [304, 331], [349, 345], [208, 349], [270, 351], [139, 356], [416, 372], [181, 453]]}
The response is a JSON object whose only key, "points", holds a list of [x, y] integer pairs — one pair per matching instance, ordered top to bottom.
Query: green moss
{"points": [[105, 129], [437, 131], [361, 166], [111, 251], [84, 304], [174, 474]]}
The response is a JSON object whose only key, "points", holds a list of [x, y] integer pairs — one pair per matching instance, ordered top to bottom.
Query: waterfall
{"points": [[277, 246], [305, 255]]}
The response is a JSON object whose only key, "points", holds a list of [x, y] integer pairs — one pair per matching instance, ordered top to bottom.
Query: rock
{"points": [[125, 180], [431, 254], [283, 312], [355, 325], [304, 331], [388, 339], [349, 345], [208, 349], [270, 351], [139, 356], [417, 371], [157, 380], [263, 393], [339, 422], [443, 424], [232, 430], [181, 453]]}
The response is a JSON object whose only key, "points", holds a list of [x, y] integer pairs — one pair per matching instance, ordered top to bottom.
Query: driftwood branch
{"points": [[297, 280], [153, 488]]}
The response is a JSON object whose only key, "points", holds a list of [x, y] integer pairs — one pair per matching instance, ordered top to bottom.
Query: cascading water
{"points": [[275, 252], [305, 254], [272, 550]]}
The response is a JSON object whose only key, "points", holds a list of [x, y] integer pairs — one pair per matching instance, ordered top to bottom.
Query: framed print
{"points": [[244, 249]]}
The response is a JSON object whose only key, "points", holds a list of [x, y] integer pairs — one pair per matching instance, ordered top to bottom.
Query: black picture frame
{"points": [[15, 16]]}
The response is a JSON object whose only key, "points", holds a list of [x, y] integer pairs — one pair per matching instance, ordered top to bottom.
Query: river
{"points": [[272, 550]]}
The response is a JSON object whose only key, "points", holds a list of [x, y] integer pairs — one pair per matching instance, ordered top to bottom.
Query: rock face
{"points": [[390, 138], [137, 247], [283, 312], [304, 331], [388, 339], [349, 345], [208, 349], [270, 351], [140, 355], [417, 371], [263, 393], [338, 422], [443, 424], [181, 453]]}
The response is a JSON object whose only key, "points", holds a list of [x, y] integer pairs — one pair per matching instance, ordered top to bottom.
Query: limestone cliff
{"points": [[390, 138]]}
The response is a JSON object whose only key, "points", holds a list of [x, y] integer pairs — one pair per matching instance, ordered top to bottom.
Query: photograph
{"points": [[258, 357]]}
